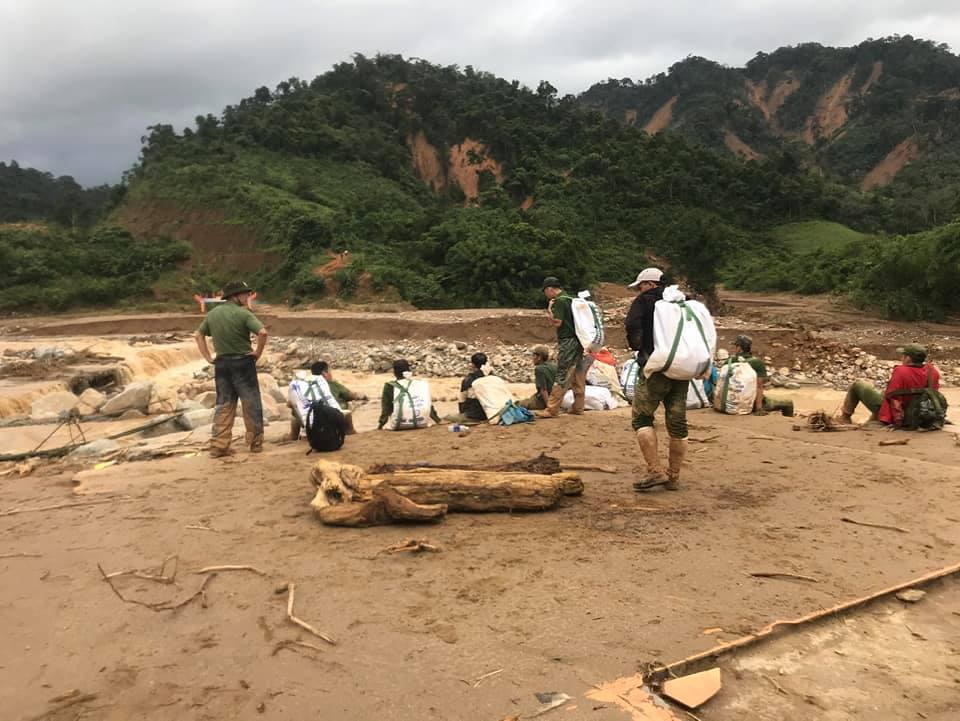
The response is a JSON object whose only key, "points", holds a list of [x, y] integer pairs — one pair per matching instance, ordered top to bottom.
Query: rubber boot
{"points": [[578, 383], [553, 403], [784, 405], [294, 428], [348, 430], [647, 439], [678, 451]]}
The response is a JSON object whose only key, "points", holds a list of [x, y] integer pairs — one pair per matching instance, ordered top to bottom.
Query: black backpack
{"points": [[927, 409], [325, 427]]}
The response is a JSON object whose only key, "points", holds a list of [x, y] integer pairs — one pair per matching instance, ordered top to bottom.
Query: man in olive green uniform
{"points": [[743, 351], [572, 362], [235, 367], [544, 377]]}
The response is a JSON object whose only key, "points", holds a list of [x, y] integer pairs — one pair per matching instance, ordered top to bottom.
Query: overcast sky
{"points": [[81, 79]]}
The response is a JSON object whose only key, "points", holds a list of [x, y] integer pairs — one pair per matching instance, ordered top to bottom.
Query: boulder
{"points": [[270, 387], [135, 396], [93, 398], [207, 399], [188, 404], [50, 406], [272, 411], [132, 414], [191, 420], [96, 448]]}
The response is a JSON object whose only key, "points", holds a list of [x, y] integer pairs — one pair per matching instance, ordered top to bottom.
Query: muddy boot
{"points": [[579, 385], [553, 403], [784, 405], [348, 429], [647, 438], [678, 451]]}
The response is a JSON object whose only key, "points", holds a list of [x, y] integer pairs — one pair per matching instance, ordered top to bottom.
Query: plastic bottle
{"points": [[458, 428]]}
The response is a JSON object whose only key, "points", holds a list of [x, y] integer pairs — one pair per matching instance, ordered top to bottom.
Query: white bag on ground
{"points": [[587, 322], [684, 338], [603, 375], [628, 378], [736, 389], [303, 391], [493, 394], [697, 395], [595, 398], [411, 405]]}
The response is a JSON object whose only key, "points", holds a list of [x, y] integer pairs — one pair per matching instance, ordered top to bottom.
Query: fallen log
{"points": [[475, 491], [384, 507]]}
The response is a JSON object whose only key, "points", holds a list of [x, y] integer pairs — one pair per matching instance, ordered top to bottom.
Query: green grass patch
{"points": [[814, 235]]}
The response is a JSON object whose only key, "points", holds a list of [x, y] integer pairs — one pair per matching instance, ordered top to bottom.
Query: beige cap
{"points": [[653, 275]]}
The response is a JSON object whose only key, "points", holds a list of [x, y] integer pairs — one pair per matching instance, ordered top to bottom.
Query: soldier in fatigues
{"points": [[572, 362]]}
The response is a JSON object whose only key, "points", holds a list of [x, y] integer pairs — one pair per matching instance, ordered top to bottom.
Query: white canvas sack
{"points": [[587, 322], [684, 338], [603, 375], [628, 378], [736, 389], [304, 390], [493, 394], [697, 395], [595, 398], [411, 405]]}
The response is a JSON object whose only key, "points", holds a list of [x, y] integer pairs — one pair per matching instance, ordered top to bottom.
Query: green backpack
{"points": [[928, 409]]}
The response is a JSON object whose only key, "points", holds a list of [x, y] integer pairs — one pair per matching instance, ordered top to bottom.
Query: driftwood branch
{"points": [[894, 442], [587, 467], [36, 509], [845, 519], [413, 545], [20, 555], [215, 569], [781, 574], [160, 577], [291, 589], [161, 605], [288, 644]]}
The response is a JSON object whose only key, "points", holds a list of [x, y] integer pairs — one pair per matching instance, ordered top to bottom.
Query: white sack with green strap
{"points": [[587, 322], [684, 338], [603, 375], [628, 378], [736, 388], [304, 390], [493, 394], [697, 395], [595, 398], [411, 405]]}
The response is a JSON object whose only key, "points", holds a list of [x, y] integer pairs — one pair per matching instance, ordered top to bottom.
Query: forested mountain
{"points": [[883, 115], [452, 187], [27, 194]]}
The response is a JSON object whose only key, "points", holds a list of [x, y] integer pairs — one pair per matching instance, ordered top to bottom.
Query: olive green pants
{"points": [[653, 391], [862, 392], [533, 403], [784, 405]]}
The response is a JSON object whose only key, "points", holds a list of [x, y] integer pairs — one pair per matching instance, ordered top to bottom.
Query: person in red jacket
{"points": [[889, 406]]}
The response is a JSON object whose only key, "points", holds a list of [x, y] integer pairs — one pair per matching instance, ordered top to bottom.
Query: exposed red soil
{"points": [[875, 72], [770, 104], [831, 111], [630, 116], [661, 119], [737, 146], [426, 161], [467, 161], [893, 163]]}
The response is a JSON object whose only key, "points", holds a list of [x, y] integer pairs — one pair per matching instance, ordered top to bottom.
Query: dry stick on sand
{"points": [[708, 439], [895, 442], [587, 467], [14, 511], [845, 519], [201, 528], [413, 545], [20, 555], [215, 569], [780, 574], [160, 577], [291, 588], [162, 605], [287, 644]]}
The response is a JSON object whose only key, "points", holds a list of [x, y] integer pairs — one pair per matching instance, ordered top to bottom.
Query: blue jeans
{"points": [[236, 379]]}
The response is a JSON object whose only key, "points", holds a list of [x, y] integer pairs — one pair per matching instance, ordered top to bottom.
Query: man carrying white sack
{"points": [[675, 341]]}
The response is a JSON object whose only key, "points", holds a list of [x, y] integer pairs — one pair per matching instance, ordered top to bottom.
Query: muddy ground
{"points": [[565, 600]]}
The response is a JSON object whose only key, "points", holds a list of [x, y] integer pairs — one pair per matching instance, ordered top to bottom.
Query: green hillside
{"points": [[814, 235]]}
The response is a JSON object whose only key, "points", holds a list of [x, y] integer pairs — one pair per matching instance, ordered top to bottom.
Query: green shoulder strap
{"points": [[686, 312], [726, 386], [405, 391], [696, 391], [314, 393]]}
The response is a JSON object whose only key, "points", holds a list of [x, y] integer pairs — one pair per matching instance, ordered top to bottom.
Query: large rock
{"points": [[270, 387], [135, 396], [92, 398], [207, 399], [162, 400], [50, 406], [272, 411], [192, 420], [96, 448]]}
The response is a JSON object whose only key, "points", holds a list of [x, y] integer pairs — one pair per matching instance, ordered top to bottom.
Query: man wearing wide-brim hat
{"points": [[235, 367]]}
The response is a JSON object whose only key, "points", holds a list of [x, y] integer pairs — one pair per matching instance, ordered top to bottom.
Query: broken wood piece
{"points": [[762, 438], [708, 439], [894, 442], [587, 467], [570, 483], [384, 507], [37, 509], [846, 519], [201, 528], [413, 545], [20, 555], [215, 569], [781, 574], [160, 577], [291, 589], [162, 605], [287, 644], [480, 679], [778, 687], [693, 690]]}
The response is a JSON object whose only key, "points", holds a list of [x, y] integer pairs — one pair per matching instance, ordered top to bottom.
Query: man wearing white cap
{"points": [[639, 320]]}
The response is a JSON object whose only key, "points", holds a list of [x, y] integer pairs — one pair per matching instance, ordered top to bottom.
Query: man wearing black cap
{"points": [[572, 364], [235, 367], [894, 407]]}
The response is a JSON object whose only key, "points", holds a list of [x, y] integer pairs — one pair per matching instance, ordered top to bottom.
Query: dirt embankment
{"points": [[661, 119], [737, 146], [893, 163], [215, 240]]}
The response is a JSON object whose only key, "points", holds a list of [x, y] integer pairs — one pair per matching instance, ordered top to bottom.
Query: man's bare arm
{"points": [[261, 343], [202, 346], [758, 402]]}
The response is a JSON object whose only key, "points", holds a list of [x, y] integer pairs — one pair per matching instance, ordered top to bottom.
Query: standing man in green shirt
{"points": [[572, 362], [235, 367], [544, 377]]}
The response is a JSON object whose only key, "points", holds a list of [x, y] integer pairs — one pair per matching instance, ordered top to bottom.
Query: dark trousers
{"points": [[236, 379]]}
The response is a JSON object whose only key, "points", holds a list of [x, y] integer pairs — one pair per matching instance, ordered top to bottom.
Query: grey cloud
{"points": [[81, 81]]}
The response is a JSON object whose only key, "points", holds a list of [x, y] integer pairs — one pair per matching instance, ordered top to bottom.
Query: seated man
{"points": [[743, 351], [544, 376], [908, 380], [306, 390], [340, 392], [404, 402]]}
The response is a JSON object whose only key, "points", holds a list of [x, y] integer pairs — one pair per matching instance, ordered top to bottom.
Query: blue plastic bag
{"points": [[512, 413]]}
